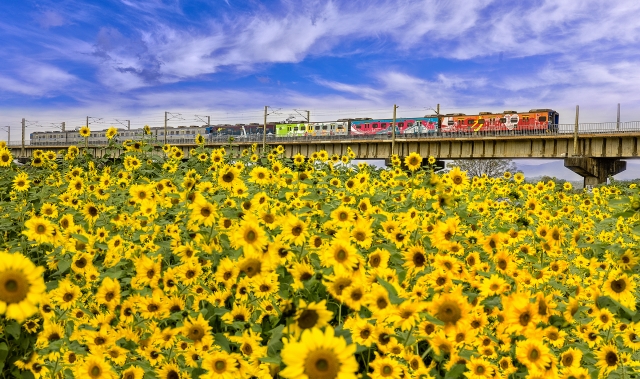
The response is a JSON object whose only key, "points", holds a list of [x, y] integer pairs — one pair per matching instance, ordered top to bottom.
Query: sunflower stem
{"points": [[408, 336], [425, 353]]}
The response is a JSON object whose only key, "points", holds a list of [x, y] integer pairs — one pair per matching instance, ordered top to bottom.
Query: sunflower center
{"points": [[228, 177], [457, 180], [205, 212], [40, 229], [296, 231], [251, 236], [341, 255], [418, 259], [14, 286], [618, 286], [449, 312], [308, 319], [524, 319], [195, 333], [534, 355], [611, 358], [567, 360], [321, 364], [220, 366], [95, 371]]}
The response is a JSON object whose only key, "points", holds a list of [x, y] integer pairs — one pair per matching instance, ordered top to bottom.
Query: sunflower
{"points": [[85, 132], [111, 132], [5, 158], [413, 161], [228, 176], [458, 178], [21, 182], [91, 212], [203, 212], [39, 229], [295, 230], [249, 236], [340, 254], [21, 286], [621, 288], [109, 293], [452, 309], [312, 315], [196, 329], [533, 353], [319, 355], [608, 359], [219, 365], [94, 367], [385, 367], [169, 371]]}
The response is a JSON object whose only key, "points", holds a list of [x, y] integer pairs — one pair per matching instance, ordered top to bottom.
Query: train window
{"points": [[542, 118], [461, 120], [503, 120], [514, 120], [481, 121], [450, 122], [469, 122], [384, 124], [409, 124], [401, 125], [317, 127], [324, 127], [295, 128]]}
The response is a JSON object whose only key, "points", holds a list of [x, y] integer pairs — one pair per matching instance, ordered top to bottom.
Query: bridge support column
{"points": [[595, 170]]}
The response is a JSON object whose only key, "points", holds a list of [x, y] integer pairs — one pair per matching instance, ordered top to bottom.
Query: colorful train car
{"points": [[534, 121], [418, 125], [334, 128]]}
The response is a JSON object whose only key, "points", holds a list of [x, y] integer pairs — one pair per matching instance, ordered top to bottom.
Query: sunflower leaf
{"points": [[222, 341]]}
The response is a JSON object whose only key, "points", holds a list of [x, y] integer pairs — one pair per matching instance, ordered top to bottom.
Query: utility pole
{"points": [[438, 116], [308, 117], [618, 119], [208, 120], [64, 124], [87, 124], [128, 124], [165, 127], [64, 130], [393, 130], [264, 131], [575, 133], [22, 154]]}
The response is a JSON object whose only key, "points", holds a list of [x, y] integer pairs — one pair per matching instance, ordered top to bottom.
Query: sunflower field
{"points": [[234, 264]]}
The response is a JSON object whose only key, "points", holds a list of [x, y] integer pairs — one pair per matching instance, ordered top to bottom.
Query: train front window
{"points": [[542, 118]]}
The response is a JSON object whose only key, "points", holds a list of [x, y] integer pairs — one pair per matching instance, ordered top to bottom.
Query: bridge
{"points": [[594, 151]]}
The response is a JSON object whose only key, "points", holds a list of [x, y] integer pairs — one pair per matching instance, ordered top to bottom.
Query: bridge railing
{"points": [[559, 129]]}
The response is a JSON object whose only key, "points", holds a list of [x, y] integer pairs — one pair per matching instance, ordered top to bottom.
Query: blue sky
{"points": [[134, 59]]}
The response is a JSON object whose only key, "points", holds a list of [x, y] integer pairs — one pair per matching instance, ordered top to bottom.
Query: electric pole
{"points": [[438, 116], [308, 117], [618, 120], [208, 121], [87, 124], [128, 124], [63, 126], [165, 127], [393, 130], [264, 131], [575, 133], [22, 154]]}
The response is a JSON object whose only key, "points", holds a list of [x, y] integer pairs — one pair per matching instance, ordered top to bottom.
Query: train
{"points": [[534, 121]]}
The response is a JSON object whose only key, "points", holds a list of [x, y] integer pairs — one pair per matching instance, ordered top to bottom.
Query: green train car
{"points": [[336, 128]]}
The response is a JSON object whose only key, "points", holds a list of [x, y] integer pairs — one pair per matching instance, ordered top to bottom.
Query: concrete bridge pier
{"points": [[595, 170]]}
